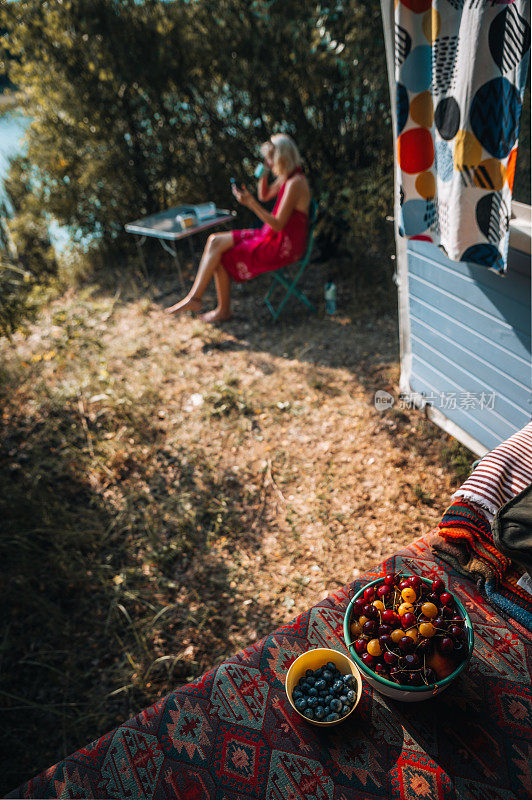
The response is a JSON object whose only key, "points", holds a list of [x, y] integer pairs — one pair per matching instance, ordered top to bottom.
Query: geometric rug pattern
{"points": [[232, 735]]}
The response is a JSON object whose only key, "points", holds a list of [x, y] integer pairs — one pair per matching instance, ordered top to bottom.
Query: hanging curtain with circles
{"points": [[460, 70]]}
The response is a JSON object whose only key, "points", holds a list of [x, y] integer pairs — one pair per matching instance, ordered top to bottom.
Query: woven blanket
{"points": [[501, 474], [466, 544], [232, 735]]}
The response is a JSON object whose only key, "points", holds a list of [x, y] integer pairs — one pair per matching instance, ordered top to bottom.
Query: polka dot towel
{"points": [[460, 69]]}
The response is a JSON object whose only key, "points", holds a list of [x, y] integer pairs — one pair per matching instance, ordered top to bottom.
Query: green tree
{"points": [[137, 106]]}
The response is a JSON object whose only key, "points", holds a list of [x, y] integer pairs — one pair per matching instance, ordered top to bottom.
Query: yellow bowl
{"points": [[313, 659]]}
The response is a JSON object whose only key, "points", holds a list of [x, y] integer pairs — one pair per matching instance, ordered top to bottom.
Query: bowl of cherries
{"points": [[409, 636]]}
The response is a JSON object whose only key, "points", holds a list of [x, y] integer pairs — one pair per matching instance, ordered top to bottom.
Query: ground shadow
{"points": [[112, 592]]}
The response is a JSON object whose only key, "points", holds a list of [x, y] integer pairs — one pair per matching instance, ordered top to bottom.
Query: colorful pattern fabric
{"points": [[460, 70], [502, 474], [466, 544], [232, 735]]}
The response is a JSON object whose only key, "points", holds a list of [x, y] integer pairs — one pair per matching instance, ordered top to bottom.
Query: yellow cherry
{"points": [[409, 595], [379, 604], [404, 607], [429, 610], [362, 620], [355, 629], [427, 629], [413, 634], [396, 635], [374, 648]]}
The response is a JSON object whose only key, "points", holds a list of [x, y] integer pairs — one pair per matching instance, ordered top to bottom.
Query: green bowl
{"points": [[398, 691]]}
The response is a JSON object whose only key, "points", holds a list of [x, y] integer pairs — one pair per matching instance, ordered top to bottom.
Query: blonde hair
{"points": [[284, 153]]}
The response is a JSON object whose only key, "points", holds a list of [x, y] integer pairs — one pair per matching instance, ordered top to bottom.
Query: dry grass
{"points": [[173, 491]]}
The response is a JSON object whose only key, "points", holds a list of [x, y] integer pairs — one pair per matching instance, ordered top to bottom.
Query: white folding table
{"points": [[166, 228]]}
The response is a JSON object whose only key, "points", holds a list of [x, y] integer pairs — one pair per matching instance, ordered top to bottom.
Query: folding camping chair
{"points": [[281, 278]]}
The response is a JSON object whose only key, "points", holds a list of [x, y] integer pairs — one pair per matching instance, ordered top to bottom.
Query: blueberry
{"points": [[331, 666], [309, 672], [318, 672], [327, 676], [348, 679], [311, 680], [302, 682], [320, 684], [338, 687], [312, 692], [323, 693], [351, 696], [329, 697], [343, 698], [312, 702], [301, 704], [336, 705], [345, 709], [319, 712], [309, 713], [331, 717]]}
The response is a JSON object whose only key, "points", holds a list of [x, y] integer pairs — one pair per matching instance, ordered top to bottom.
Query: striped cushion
{"points": [[502, 473]]}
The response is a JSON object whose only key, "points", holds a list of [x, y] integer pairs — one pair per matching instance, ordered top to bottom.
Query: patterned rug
{"points": [[232, 735]]}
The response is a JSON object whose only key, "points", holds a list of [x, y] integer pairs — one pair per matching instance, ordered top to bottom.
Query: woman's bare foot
{"points": [[187, 304], [217, 315]]}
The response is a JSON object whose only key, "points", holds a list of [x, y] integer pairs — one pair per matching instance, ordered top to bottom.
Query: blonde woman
{"points": [[244, 254]]}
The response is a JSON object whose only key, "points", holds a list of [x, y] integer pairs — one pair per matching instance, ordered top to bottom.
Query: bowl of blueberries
{"points": [[323, 686]]}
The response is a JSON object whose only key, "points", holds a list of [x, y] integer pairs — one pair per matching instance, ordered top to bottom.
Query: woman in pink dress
{"points": [[244, 254]]}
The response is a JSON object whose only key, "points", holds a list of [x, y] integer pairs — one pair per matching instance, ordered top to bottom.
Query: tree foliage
{"points": [[138, 106]]}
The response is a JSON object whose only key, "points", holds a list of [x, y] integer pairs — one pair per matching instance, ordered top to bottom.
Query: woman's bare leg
{"points": [[216, 245], [223, 291]]}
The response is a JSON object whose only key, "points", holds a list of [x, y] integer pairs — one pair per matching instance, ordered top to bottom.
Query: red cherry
{"points": [[389, 579], [414, 581], [404, 584], [438, 586], [384, 591], [369, 593], [434, 598], [446, 598], [358, 605], [370, 611], [447, 612], [389, 617], [408, 620], [457, 620], [440, 623], [370, 627], [384, 630], [457, 632], [385, 641], [406, 644], [445, 645], [360, 646], [425, 646], [390, 658], [368, 660], [380, 669], [397, 674]]}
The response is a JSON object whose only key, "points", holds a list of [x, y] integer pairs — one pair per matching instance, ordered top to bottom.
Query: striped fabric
{"points": [[502, 473]]}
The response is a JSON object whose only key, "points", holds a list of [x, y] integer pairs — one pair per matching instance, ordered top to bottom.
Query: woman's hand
{"points": [[243, 196]]}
